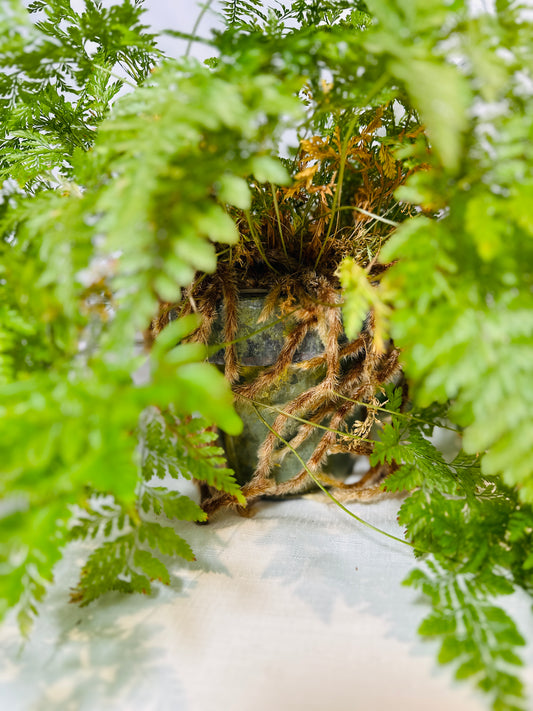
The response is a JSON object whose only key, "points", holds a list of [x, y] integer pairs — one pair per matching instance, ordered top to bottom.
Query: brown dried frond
{"points": [[271, 300], [231, 302], [207, 307], [162, 318], [389, 367], [361, 428], [305, 430], [329, 439], [298, 483], [368, 488], [369, 493], [217, 501]]}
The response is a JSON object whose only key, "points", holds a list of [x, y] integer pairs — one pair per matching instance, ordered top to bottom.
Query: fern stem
{"points": [[205, 8], [114, 75], [344, 154], [338, 189], [352, 208], [278, 217], [392, 223], [257, 241], [399, 414], [306, 422], [328, 493]]}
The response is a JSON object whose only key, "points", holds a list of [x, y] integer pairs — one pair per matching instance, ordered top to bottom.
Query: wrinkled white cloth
{"points": [[298, 607]]}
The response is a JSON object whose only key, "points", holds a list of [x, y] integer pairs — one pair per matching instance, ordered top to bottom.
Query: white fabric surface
{"points": [[296, 608]]}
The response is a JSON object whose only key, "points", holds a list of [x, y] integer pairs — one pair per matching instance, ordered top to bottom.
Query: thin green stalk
{"points": [[202, 12], [114, 75], [344, 152], [338, 189], [352, 208], [278, 217], [376, 217], [303, 219], [257, 241], [256, 403], [391, 412], [328, 493]]}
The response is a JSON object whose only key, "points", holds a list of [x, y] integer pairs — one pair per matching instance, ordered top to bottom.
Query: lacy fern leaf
{"points": [[186, 447], [474, 535], [129, 545], [476, 636]]}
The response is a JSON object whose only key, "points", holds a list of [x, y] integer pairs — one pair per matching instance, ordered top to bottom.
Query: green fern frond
{"points": [[241, 13], [185, 447], [173, 505], [475, 537], [126, 557], [110, 567], [476, 636]]}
